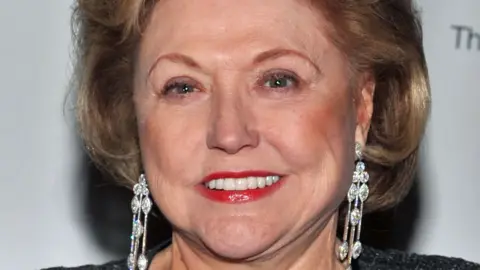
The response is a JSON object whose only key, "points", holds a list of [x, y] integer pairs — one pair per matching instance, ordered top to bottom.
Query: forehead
{"points": [[186, 23]]}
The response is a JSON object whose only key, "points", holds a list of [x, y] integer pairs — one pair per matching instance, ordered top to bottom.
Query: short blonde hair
{"points": [[381, 37]]}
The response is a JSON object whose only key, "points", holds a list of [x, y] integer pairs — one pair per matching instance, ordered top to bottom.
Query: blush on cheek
{"points": [[326, 128], [168, 137], [153, 144]]}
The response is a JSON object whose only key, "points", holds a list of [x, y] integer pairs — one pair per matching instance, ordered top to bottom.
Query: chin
{"points": [[239, 241]]}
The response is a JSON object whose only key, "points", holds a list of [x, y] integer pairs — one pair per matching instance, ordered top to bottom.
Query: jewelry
{"points": [[141, 203], [351, 247]]}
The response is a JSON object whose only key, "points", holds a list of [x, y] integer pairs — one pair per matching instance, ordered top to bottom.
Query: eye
{"points": [[280, 79], [180, 87]]}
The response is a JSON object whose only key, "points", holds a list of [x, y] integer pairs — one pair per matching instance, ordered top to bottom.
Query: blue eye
{"points": [[280, 80], [179, 88]]}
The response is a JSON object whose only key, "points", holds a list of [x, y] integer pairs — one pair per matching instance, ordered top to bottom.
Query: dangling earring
{"points": [[141, 203], [351, 248]]}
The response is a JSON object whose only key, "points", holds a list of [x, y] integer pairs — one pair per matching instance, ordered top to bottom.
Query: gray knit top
{"points": [[371, 259]]}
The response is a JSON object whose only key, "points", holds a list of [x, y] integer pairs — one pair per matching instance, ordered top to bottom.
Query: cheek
{"points": [[313, 133], [167, 140], [316, 142]]}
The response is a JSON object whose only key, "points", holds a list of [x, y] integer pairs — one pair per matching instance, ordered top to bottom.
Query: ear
{"points": [[363, 99]]}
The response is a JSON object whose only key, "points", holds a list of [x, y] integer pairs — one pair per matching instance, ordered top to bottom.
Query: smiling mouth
{"points": [[244, 183], [240, 187]]}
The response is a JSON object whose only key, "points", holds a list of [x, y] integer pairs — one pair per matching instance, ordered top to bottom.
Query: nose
{"points": [[232, 125]]}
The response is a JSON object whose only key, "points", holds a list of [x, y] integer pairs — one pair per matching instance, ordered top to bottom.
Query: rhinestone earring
{"points": [[141, 203], [351, 248]]}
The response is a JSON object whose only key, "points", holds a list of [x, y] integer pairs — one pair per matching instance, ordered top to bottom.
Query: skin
{"points": [[247, 85]]}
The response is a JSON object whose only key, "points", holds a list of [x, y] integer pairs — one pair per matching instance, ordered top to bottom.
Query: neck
{"points": [[314, 249]]}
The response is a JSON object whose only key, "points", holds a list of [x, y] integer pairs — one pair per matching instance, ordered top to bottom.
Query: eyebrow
{"points": [[280, 52], [262, 57], [176, 58]]}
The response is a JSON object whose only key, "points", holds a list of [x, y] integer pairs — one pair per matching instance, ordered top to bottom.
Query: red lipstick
{"points": [[238, 196]]}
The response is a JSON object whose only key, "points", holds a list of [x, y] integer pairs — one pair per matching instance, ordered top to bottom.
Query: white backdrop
{"points": [[451, 216], [40, 220]]}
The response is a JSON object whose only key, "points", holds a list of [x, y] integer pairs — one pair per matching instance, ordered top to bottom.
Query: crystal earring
{"points": [[141, 203], [351, 248]]}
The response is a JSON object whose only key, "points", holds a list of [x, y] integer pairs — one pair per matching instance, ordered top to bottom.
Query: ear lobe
{"points": [[364, 107]]}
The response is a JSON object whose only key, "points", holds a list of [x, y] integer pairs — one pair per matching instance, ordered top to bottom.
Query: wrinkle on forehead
{"points": [[229, 26]]}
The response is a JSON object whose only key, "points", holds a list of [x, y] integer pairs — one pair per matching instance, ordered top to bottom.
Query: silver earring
{"points": [[141, 204], [351, 247]]}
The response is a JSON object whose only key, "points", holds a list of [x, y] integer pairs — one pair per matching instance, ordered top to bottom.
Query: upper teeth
{"points": [[242, 183]]}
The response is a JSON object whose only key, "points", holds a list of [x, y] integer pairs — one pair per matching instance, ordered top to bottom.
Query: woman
{"points": [[257, 127]]}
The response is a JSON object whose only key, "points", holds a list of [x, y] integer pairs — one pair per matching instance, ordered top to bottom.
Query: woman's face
{"points": [[245, 93]]}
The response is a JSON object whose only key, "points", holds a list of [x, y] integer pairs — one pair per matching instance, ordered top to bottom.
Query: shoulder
{"points": [[395, 260], [114, 265], [117, 265]]}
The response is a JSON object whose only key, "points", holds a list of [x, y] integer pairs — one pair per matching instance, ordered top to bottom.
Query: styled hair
{"points": [[382, 37]]}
